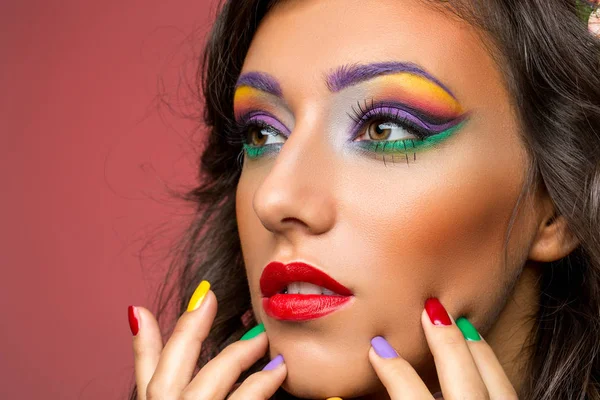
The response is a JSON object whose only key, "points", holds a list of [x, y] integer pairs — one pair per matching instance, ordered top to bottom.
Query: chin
{"points": [[314, 376], [326, 384]]}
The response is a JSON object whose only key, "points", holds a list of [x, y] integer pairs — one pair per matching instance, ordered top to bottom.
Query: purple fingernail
{"points": [[383, 348], [274, 363], [438, 395]]}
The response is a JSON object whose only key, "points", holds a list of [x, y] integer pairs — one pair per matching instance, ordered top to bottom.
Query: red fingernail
{"points": [[437, 313], [134, 320]]}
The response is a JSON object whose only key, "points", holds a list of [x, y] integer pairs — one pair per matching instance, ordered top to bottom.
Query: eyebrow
{"points": [[349, 75], [342, 77], [260, 81]]}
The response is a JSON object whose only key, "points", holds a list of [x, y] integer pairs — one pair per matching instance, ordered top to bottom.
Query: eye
{"points": [[381, 130], [259, 136]]}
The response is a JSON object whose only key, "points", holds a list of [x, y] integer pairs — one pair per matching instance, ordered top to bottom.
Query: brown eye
{"points": [[380, 130], [385, 130], [256, 136]]}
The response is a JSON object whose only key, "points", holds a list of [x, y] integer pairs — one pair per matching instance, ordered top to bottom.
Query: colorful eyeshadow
{"points": [[418, 93], [403, 95], [246, 98], [406, 146], [255, 151]]}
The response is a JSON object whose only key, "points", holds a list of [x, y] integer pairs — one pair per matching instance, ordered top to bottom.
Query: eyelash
{"points": [[367, 113], [363, 114], [239, 136]]}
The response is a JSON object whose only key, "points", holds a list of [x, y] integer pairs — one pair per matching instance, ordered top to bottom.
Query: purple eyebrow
{"points": [[349, 75], [260, 81]]}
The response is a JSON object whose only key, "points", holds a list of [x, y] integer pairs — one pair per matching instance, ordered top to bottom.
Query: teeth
{"points": [[306, 288]]}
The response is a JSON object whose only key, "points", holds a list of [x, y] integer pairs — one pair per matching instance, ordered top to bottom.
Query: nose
{"points": [[297, 194]]}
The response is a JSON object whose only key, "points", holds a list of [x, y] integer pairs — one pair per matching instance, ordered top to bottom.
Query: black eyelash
{"points": [[364, 114], [238, 130], [233, 133]]}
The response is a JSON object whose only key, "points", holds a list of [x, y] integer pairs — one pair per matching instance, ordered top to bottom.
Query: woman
{"points": [[404, 194]]}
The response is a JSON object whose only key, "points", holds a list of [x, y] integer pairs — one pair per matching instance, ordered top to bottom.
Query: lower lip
{"points": [[302, 307]]}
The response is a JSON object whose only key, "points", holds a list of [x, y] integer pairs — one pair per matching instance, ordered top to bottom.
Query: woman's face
{"points": [[384, 152]]}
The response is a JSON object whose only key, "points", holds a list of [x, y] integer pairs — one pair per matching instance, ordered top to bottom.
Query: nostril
{"points": [[292, 220]]}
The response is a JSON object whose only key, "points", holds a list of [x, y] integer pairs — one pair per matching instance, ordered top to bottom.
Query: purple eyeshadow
{"points": [[396, 113], [268, 119]]}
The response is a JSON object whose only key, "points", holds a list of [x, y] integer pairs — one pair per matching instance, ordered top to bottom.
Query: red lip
{"points": [[299, 307]]}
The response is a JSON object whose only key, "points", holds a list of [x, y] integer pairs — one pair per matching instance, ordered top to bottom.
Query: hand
{"points": [[467, 369], [166, 372]]}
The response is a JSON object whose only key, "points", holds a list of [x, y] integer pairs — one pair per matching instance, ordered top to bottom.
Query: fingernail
{"points": [[198, 295], [437, 313], [134, 320], [467, 329], [254, 332], [383, 348], [274, 363], [438, 395], [335, 398]]}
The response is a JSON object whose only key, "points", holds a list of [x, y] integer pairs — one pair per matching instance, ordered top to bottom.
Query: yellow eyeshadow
{"points": [[421, 86], [246, 93]]}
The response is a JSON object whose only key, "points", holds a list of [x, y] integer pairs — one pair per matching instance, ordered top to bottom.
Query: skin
{"points": [[394, 233]]}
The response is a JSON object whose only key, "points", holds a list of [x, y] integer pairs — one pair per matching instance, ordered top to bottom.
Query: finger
{"points": [[147, 345], [180, 354], [490, 369], [457, 372], [216, 378], [399, 378], [262, 385]]}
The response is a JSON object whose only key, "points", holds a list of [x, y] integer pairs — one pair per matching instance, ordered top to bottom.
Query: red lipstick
{"points": [[280, 304]]}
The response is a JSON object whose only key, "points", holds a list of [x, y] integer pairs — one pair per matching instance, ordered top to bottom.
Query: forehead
{"points": [[301, 41]]}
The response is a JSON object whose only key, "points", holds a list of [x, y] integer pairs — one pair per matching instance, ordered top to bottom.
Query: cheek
{"points": [[246, 218], [430, 231], [459, 231], [454, 235], [256, 241]]}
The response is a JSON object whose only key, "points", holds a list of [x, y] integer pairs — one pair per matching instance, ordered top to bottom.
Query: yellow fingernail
{"points": [[198, 295], [335, 398]]}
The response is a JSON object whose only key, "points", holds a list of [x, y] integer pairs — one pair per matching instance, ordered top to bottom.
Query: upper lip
{"points": [[277, 275]]}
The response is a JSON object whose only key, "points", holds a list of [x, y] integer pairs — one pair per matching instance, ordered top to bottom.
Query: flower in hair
{"points": [[589, 12], [594, 22]]}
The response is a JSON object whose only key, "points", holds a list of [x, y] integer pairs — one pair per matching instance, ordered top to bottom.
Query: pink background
{"points": [[85, 155]]}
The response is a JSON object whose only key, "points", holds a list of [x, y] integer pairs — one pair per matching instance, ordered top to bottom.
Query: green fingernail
{"points": [[467, 329], [257, 330]]}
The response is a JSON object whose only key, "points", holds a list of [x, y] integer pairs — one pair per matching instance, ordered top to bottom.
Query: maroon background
{"points": [[85, 154]]}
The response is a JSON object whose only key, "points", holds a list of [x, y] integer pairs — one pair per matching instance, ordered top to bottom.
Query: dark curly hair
{"points": [[551, 66]]}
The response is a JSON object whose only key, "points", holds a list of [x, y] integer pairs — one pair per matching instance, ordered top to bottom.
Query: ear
{"points": [[554, 239]]}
